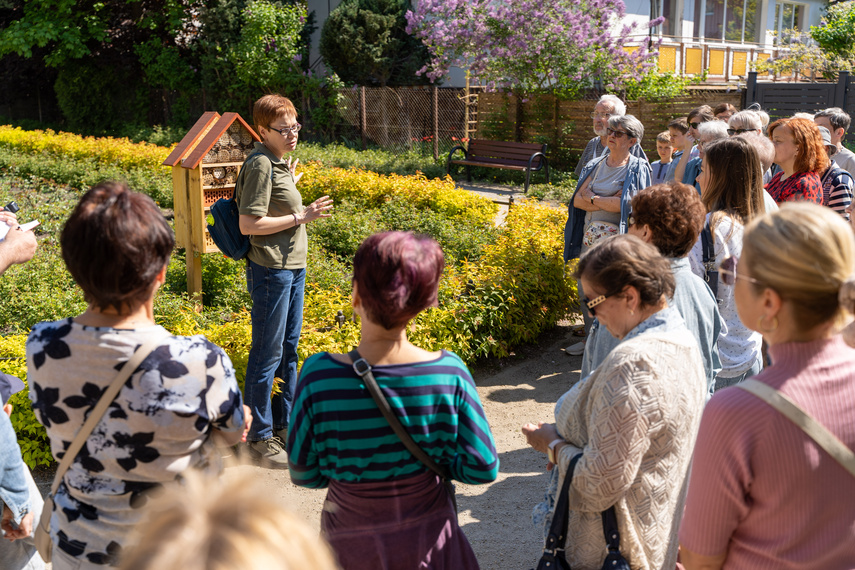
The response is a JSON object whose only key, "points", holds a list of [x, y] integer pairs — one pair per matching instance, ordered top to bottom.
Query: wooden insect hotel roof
{"points": [[192, 138], [229, 139]]}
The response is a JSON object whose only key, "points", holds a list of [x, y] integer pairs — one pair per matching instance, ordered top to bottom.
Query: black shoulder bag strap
{"points": [[708, 246], [363, 370], [553, 557], [614, 559]]}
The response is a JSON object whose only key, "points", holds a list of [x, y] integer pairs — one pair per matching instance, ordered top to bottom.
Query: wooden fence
{"points": [[566, 125]]}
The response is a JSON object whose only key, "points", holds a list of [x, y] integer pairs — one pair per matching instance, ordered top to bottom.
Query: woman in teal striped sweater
{"points": [[384, 508]]}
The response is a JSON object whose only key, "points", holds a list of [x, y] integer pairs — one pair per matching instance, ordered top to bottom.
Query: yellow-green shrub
{"points": [[106, 150], [440, 195]]}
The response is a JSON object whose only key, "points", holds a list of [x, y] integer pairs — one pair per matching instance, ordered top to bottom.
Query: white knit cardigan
{"points": [[635, 419]]}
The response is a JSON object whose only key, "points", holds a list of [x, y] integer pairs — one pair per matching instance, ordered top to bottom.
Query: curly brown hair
{"points": [[812, 156], [674, 213]]}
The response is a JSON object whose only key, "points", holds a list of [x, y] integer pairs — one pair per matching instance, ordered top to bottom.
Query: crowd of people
{"points": [[712, 425]]}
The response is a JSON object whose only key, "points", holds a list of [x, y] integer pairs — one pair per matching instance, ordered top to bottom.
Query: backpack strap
{"points": [[708, 248]]}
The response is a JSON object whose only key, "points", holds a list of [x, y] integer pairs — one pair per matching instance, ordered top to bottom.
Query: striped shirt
{"points": [[837, 186], [337, 432]]}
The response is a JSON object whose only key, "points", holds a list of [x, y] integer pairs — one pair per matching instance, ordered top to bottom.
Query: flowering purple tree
{"points": [[527, 46]]}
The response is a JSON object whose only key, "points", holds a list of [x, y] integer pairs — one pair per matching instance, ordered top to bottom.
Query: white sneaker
{"points": [[577, 349]]}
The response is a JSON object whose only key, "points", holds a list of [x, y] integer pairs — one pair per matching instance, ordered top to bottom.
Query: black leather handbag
{"points": [[553, 557]]}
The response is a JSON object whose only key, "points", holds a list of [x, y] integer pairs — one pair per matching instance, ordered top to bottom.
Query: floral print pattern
{"points": [[156, 428]]}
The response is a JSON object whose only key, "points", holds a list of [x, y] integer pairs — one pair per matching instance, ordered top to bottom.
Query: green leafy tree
{"points": [[835, 34], [365, 42], [266, 53]]}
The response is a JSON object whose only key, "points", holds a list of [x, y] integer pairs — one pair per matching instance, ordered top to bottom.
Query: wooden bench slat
{"points": [[477, 142], [501, 150], [504, 155], [521, 159], [489, 164]]}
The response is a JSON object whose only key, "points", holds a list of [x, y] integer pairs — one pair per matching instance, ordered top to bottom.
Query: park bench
{"points": [[525, 157]]}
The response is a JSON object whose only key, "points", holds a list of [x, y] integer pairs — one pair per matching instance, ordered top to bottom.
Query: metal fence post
{"points": [[435, 112], [362, 116]]}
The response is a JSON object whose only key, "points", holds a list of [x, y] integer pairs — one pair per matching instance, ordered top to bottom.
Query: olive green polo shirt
{"points": [[265, 187]]}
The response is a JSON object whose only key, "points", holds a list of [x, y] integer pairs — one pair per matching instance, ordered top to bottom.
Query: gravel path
{"points": [[495, 517]]}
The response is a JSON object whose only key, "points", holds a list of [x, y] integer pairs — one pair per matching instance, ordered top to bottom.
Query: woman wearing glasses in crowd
{"points": [[744, 122], [801, 155], [687, 167], [731, 184], [602, 201], [272, 215], [634, 419], [763, 494]]}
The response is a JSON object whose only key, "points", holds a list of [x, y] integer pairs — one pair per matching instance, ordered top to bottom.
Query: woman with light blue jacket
{"points": [[602, 201]]}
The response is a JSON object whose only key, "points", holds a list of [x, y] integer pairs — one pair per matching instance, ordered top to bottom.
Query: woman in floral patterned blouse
{"points": [[801, 155], [180, 399]]}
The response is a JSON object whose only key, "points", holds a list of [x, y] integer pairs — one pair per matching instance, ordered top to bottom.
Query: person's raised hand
{"points": [[292, 166], [318, 209]]}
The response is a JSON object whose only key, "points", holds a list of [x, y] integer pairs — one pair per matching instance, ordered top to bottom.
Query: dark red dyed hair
{"points": [[114, 244], [397, 276]]}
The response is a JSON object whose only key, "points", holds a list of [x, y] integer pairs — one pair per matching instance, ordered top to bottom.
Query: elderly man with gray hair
{"points": [[608, 106], [837, 121]]}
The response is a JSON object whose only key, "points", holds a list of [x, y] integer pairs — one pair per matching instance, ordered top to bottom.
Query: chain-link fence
{"points": [[427, 120]]}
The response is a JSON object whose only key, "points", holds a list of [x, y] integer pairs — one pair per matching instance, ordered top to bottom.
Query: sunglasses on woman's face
{"points": [[732, 132], [617, 134], [728, 273], [591, 303]]}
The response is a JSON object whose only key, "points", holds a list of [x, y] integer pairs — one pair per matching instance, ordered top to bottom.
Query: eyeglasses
{"points": [[600, 115], [694, 125], [293, 129], [732, 132], [617, 134], [727, 270], [591, 303]]}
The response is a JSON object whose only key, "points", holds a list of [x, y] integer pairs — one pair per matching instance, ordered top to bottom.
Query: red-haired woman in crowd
{"points": [[801, 155], [386, 509]]}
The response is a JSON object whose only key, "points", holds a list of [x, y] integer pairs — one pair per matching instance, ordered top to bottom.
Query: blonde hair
{"points": [[664, 137], [806, 253], [207, 524]]}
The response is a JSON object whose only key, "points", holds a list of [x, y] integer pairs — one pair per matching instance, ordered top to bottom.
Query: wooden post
{"points": [[727, 64], [751, 88], [840, 91], [466, 103], [435, 108], [362, 116], [518, 116]]}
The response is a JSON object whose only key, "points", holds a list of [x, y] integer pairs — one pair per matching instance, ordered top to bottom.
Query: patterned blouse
{"points": [[799, 186], [157, 427]]}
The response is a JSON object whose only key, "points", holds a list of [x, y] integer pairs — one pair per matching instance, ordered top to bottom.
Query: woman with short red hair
{"points": [[801, 155]]}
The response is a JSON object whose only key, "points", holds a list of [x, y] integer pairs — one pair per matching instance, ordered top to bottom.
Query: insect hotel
{"points": [[205, 166]]}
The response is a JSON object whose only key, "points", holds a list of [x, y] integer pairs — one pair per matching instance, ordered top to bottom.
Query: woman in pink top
{"points": [[762, 493]]}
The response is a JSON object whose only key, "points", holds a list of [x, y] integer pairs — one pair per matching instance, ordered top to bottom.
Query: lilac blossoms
{"points": [[526, 46]]}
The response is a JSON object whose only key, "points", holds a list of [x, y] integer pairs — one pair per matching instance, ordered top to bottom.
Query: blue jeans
{"points": [[277, 317], [721, 382]]}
